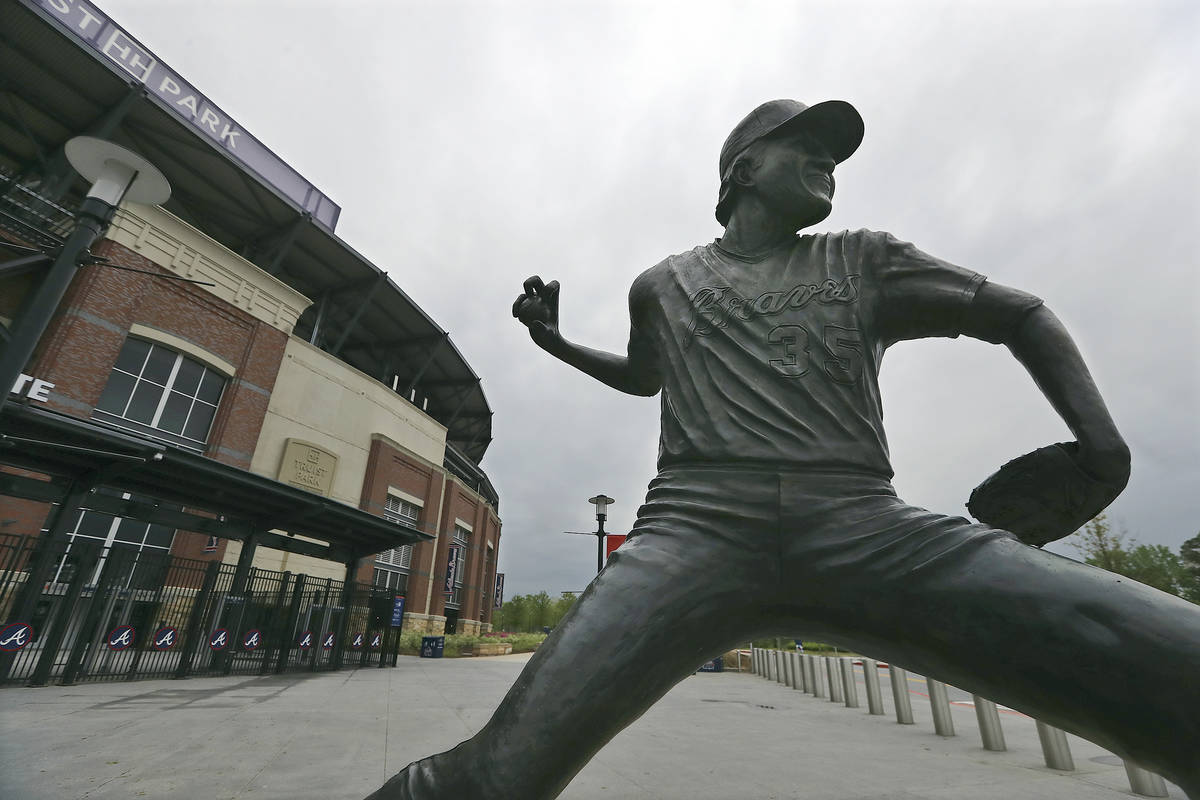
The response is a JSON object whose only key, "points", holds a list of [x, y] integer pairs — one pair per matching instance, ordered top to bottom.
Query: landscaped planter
{"points": [[488, 649]]}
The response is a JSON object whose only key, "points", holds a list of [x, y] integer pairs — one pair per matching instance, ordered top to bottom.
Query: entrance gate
{"points": [[153, 615]]}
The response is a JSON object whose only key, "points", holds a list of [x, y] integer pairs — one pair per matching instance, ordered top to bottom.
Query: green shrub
{"points": [[410, 642]]}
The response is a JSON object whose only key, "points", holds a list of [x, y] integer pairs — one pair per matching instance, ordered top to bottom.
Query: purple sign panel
{"points": [[126, 56], [452, 567], [499, 590]]}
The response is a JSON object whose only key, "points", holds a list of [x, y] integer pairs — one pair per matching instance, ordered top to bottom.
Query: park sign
{"points": [[129, 59]]}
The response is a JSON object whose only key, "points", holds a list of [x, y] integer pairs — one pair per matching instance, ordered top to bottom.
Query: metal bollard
{"points": [[753, 660], [780, 667], [832, 671], [770, 673], [789, 673], [797, 673], [801, 673], [818, 674], [899, 679], [849, 685], [874, 695], [943, 723], [989, 724], [1055, 748], [1144, 782]]}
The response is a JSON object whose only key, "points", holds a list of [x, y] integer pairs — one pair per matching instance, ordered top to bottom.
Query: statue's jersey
{"points": [[776, 360]]}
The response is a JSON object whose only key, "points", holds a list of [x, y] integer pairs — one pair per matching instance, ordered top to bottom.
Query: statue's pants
{"points": [[722, 555]]}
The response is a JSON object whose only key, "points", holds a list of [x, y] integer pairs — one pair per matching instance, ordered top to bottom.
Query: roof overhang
{"points": [[186, 490]]}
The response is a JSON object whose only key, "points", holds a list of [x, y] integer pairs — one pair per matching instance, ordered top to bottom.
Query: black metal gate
{"points": [[113, 613]]}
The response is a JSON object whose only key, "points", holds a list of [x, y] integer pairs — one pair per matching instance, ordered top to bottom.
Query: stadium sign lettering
{"points": [[124, 53], [31, 387]]}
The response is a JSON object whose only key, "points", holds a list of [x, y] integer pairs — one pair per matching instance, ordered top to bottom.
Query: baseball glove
{"points": [[1041, 496]]}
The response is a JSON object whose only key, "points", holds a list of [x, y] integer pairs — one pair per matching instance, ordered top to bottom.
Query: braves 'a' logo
{"points": [[15, 636], [120, 637], [164, 638], [219, 639], [251, 640], [304, 641], [328, 641], [357, 641], [376, 641]]}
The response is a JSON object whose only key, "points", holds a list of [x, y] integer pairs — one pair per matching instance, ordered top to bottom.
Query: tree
{"points": [[1100, 546], [1189, 554], [1152, 564], [1155, 565], [529, 613]]}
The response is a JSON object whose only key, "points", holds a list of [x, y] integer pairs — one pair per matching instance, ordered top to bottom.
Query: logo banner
{"points": [[452, 568]]}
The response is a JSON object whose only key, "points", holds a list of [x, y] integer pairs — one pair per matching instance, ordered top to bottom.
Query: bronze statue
{"points": [[773, 513]]}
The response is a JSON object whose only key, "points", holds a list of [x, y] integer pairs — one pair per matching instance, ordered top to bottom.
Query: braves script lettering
{"points": [[715, 306]]}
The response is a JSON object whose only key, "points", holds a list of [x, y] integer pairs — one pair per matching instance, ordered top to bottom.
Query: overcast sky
{"points": [[471, 145]]}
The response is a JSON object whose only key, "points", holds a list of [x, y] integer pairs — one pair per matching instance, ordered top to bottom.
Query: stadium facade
{"points": [[233, 421]]}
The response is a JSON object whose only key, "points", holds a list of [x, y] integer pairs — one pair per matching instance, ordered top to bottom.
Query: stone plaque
{"points": [[308, 467]]}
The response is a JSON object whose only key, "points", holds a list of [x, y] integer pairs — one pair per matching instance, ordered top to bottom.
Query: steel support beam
{"points": [[358, 312], [433, 351]]}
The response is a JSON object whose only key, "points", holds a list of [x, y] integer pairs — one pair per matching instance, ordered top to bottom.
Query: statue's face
{"points": [[794, 178]]}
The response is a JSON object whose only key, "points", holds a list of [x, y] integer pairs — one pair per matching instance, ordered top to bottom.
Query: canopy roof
{"points": [[180, 489]]}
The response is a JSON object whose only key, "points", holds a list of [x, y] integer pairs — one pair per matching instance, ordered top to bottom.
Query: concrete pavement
{"points": [[340, 734]]}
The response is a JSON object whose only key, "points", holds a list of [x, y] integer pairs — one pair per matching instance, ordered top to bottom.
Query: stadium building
{"points": [[238, 445]]}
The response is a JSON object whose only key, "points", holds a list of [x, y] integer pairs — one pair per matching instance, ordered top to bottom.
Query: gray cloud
{"points": [[474, 144]]}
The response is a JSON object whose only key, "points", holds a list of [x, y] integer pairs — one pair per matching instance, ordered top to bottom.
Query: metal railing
{"points": [[114, 613], [833, 677]]}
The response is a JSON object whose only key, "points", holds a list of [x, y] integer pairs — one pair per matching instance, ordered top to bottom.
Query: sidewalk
{"points": [[339, 735]]}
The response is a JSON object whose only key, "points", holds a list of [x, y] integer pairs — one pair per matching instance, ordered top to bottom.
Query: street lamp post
{"points": [[116, 174], [601, 502]]}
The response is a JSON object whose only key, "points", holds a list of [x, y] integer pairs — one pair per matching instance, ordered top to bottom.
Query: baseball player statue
{"points": [[773, 513]]}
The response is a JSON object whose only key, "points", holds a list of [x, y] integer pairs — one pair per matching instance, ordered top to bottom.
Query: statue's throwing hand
{"points": [[537, 309]]}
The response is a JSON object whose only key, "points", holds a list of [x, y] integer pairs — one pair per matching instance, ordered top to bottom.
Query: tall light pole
{"points": [[116, 174], [601, 502]]}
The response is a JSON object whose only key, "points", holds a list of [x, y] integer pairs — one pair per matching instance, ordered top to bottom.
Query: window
{"points": [[161, 393], [401, 511], [462, 538], [392, 566]]}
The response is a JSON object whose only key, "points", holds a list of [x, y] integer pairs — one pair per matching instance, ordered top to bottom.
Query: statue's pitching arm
{"points": [[537, 309]]}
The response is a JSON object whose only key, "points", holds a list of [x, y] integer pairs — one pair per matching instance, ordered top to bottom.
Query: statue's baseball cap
{"points": [[835, 123]]}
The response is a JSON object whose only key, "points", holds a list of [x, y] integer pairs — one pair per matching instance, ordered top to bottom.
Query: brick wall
{"points": [[86, 335]]}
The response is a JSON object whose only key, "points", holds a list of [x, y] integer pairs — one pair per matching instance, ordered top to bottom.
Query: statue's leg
{"points": [[677, 593], [1088, 651]]}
